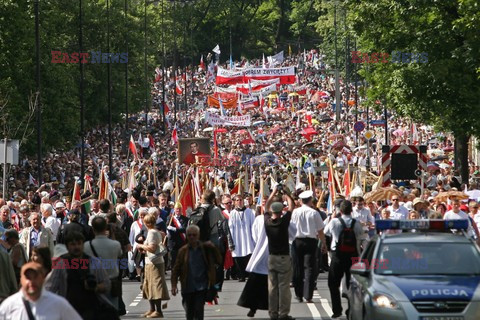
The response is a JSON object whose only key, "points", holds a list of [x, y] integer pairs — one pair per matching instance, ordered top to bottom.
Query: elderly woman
{"points": [[154, 286]]}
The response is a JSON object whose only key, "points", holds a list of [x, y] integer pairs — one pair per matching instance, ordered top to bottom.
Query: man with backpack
{"points": [[209, 219], [346, 234]]}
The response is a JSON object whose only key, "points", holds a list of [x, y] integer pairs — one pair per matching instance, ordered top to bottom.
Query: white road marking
{"points": [[136, 301], [324, 302], [326, 306], [314, 311]]}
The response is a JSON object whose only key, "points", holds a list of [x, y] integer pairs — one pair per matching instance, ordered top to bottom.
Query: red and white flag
{"points": [[202, 64], [178, 88], [174, 135], [415, 137], [133, 148], [31, 180]]}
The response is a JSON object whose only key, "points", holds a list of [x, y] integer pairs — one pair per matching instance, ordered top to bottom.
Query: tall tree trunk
{"points": [[461, 155]]}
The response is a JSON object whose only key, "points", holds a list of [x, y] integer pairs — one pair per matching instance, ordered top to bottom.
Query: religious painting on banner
{"points": [[192, 150]]}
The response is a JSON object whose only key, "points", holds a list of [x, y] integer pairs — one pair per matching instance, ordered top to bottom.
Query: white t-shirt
{"points": [[48, 307]]}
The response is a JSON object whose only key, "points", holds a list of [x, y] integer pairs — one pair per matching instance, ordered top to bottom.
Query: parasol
{"points": [[382, 194], [454, 195]]}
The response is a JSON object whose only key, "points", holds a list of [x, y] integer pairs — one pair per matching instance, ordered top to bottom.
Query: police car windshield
{"points": [[427, 259]]}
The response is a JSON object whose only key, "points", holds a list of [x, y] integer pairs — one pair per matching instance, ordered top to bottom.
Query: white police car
{"points": [[421, 275]]}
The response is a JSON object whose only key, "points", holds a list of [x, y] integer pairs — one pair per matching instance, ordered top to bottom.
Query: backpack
{"points": [[200, 218], [347, 242]]}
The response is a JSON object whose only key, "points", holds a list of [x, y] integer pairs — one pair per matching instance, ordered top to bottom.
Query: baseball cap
{"points": [[59, 205], [277, 207]]}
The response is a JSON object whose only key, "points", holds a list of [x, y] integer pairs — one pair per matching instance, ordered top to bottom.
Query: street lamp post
{"points": [[145, 64], [126, 71], [37, 96], [109, 97], [82, 101], [338, 102]]}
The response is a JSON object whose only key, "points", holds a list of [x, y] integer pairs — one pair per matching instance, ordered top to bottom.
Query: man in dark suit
{"points": [[177, 224]]}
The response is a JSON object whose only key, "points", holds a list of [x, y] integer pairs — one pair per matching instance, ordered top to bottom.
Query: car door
{"points": [[359, 284]]}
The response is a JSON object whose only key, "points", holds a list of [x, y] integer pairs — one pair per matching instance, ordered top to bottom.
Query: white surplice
{"points": [[240, 224], [258, 262]]}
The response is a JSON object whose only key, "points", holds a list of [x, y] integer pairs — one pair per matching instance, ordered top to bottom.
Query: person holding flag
{"points": [[176, 229]]}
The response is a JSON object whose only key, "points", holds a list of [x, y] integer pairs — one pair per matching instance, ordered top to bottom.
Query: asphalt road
{"points": [[227, 307]]}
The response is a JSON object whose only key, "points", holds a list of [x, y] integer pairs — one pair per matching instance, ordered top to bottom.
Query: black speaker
{"points": [[403, 166]]}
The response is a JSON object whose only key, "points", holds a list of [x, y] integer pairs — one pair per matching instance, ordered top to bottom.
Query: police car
{"points": [[418, 273]]}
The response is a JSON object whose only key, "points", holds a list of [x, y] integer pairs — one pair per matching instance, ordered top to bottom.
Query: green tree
{"points": [[445, 91]]}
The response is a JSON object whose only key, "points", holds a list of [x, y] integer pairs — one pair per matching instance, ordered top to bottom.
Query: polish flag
{"points": [[202, 64], [178, 88], [166, 108], [174, 135], [415, 138], [133, 148]]}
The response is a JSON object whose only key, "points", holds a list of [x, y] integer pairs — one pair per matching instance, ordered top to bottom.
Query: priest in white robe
{"points": [[240, 224]]}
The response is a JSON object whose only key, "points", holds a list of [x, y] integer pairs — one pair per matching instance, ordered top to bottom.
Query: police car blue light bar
{"points": [[422, 224]]}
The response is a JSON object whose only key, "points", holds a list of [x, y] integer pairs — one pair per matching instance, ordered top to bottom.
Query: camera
{"points": [[418, 173], [91, 282]]}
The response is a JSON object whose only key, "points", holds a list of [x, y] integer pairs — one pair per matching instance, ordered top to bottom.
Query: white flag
{"points": [[216, 49], [275, 59]]}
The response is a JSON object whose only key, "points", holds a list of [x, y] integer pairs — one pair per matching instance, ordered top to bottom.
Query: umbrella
{"points": [[317, 97], [321, 105], [326, 119], [256, 123], [209, 129], [221, 130], [274, 130], [309, 130], [243, 131], [336, 136], [248, 141], [308, 144], [338, 145], [314, 150], [437, 152], [439, 158], [444, 165], [432, 166], [382, 194], [473, 194], [457, 195]]}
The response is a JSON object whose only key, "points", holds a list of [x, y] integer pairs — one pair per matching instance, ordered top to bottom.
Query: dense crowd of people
{"points": [[68, 256]]}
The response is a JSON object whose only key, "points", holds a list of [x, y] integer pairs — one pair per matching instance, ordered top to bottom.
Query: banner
{"points": [[286, 75], [225, 76], [256, 85], [265, 91], [227, 104], [218, 120]]}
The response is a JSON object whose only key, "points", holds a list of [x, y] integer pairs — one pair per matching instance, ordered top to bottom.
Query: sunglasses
{"points": [[394, 199], [228, 202]]}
